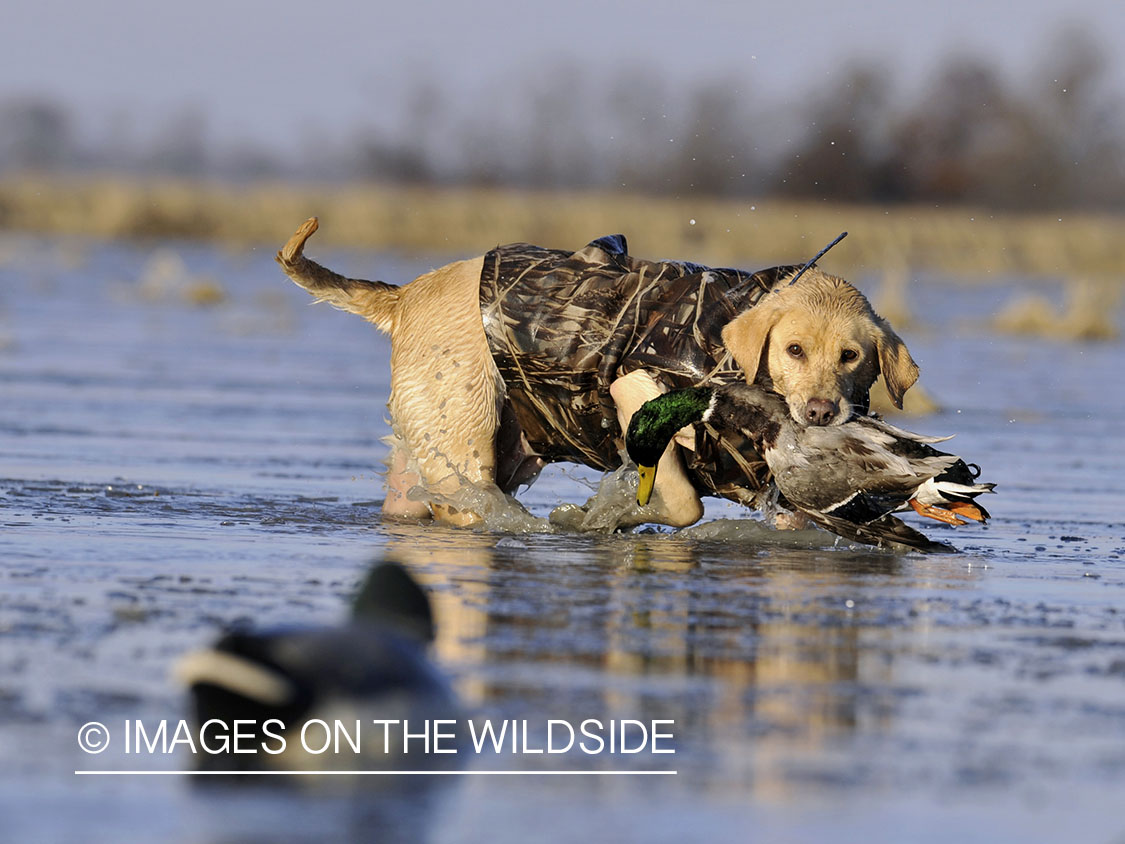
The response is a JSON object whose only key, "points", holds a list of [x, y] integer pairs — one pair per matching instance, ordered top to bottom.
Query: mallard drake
{"points": [[848, 478], [376, 664]]}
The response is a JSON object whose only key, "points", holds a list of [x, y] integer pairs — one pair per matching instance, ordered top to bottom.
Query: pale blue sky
{"points": [[264, 69]]}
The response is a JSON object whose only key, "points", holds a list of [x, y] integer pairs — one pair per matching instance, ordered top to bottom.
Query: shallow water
{"points": [[167, 470]]}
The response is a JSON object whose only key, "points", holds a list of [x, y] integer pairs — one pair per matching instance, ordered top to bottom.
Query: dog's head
{"points": [[820, 345]]}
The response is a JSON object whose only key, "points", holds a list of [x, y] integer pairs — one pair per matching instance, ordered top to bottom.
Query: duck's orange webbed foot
{"points": [[968, 510], [937, 513]]}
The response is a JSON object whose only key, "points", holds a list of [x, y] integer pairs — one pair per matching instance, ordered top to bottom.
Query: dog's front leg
{"points": [[674, 500]]}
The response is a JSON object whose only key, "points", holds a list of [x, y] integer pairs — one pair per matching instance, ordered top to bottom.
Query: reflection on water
{"points": [[167, 471], [734, 644]]}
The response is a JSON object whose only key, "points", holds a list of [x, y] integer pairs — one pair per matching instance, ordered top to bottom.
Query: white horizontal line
{"points": [[378, 773]]}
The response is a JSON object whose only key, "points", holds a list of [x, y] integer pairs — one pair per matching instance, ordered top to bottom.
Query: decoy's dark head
{"points": [[390, 596], [290, 674]]}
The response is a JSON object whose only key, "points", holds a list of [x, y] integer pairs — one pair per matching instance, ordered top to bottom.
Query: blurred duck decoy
{"points": [[848, 478], [374, 666]]}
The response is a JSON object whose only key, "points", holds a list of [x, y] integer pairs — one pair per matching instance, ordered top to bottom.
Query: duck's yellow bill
{"points": [[644, 486]]}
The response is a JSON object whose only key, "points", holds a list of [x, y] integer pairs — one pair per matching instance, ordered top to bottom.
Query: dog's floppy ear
{"points": [[745, 336], [898, 367]]}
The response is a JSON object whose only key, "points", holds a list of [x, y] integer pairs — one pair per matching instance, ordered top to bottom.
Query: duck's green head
{"points": [[653, 426]]}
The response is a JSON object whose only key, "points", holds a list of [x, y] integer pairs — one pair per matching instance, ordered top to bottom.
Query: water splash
{"points": [[612, 506], [499, 512], [754, 532]]}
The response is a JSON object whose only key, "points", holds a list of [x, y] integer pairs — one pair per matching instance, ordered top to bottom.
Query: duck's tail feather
{"points": [[956, 490], [968, 491]]}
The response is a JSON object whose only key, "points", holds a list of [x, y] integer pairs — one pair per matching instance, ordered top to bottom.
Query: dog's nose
{"points": [[820, 411]]}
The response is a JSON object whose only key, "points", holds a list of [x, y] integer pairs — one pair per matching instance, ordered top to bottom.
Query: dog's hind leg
{"points": [[445, 389], [451, 438], [401, 478]]}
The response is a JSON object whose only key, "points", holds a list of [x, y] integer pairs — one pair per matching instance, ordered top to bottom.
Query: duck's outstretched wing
{"points": [[899, 433], [884, 531]]}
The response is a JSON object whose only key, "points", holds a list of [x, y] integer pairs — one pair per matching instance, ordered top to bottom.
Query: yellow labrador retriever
{"points": [[525, 355]]}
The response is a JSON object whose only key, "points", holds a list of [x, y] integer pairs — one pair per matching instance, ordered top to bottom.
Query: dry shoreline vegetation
{"points": [[958, 240], [1084, 252]]}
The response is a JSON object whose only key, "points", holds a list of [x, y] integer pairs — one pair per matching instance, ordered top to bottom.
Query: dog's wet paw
{"points": [[568, 517]]}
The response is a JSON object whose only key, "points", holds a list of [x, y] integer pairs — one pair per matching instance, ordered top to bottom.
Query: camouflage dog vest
{"points": [[563, 326]]}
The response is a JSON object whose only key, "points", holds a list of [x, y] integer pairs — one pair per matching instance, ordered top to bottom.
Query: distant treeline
{"points": [[1054, 139]]}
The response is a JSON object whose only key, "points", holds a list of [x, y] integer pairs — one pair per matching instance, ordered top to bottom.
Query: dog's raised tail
{"points": [[375, 301]]}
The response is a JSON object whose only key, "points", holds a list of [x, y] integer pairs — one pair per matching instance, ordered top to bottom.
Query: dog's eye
{"points": [[795, 350], [848, 355]]}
